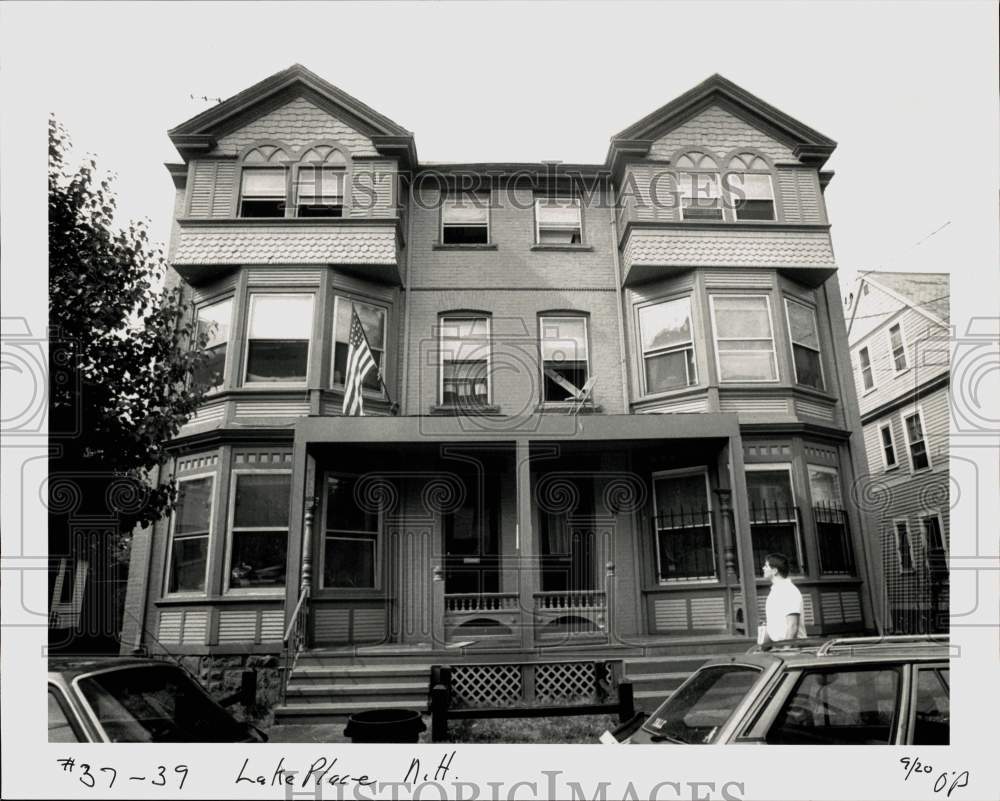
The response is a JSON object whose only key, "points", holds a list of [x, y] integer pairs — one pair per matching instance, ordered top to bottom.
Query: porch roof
{"points": [[533, 427]]}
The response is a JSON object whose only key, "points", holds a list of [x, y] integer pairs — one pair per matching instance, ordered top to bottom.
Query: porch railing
{"points": [[555, 601], [466, 603], [295, 638]]}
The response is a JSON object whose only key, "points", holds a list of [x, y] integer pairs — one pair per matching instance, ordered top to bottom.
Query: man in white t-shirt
{"points": [[783, 612]]}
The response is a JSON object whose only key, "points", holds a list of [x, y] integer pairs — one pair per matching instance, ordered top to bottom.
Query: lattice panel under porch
{"points": [[565, 682], [486, 685]]}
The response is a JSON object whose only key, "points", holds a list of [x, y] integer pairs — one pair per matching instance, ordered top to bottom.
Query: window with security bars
{"points": [[465, 357], [774, 516], [832, 533], [685, 547]]}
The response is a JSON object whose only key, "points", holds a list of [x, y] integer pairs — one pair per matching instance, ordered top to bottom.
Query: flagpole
{"points": [[378, 371]]}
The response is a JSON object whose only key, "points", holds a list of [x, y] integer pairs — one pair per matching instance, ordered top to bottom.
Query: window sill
{"points": [[443, 246], [564, 248], [679, 392], [563, 407], [445, 410]]}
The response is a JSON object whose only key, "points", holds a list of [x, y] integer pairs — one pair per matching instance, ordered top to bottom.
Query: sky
{"points": [[907, 90]]}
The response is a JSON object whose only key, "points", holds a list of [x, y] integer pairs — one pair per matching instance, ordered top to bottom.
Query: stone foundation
{"points": [[221, 676]]}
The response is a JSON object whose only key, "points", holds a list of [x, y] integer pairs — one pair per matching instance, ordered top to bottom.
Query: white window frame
{"points": [[261, 168], [339, 169], [484, 195], [683, 195], [731, 200], [575, 202], [251, 297], [339, 297], [231, 299], [554, 317], [442, 324], [715, 340], [791, 343], [903, 344], [871, 370], [692, 379], [919, 412], [887, 426], [789, 467], [680, 472], [233, 481], [936, 514], [367, 534], [909, 541], [208, 551]]}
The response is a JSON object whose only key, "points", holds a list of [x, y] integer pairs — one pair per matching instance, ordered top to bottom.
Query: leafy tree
{"points": [[123, 349]]}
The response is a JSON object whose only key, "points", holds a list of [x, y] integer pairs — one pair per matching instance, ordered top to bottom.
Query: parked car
{"points": [[849, 691], [135, 701]]}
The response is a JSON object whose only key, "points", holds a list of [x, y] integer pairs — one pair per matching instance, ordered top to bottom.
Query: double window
{"points": [[316, 183], [745, 191], [465, 219], [558, 221], [214, 322], [373, 322], [278, 333], [803, 334], [665, 335], [744, 338], [565, 357], [465, 361], [913, 427], [774, 516], [191, 534], [350, 540], [258, 545], [685, 549]]}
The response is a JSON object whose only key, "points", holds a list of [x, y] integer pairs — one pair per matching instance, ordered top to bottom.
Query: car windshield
{"points": [[157, 703], [698, 709]]}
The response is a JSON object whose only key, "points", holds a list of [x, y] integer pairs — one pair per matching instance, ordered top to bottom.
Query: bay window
{"points": [[262, 192], [465, 220], [558, 221], [214, 321], [373, 321], [278, 334], [665, 335], [804, 337], [744, 338], [565, 357], [465, 361], [774, 516], [259, 529], [190, 535], [350, 540], [685, 548], [835, 552]]}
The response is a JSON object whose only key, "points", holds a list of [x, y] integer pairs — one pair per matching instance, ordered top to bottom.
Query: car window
{"points": [[850, 707], [696, 711], [931, 720], [60, 729]]}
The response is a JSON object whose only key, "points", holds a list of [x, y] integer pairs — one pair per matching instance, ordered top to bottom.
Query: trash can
{"points": [[384, 726]]}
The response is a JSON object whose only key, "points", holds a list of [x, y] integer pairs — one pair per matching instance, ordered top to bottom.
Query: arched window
{"points": [[319, 182], [263, 183], [699, 186], [749, 187]]}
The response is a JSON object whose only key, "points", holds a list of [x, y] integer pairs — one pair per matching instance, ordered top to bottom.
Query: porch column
{"points": [[744, 544], [527, 551], [298, 573]]}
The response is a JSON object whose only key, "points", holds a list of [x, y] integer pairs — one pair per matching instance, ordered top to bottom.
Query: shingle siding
{"points": [[719, 131]]}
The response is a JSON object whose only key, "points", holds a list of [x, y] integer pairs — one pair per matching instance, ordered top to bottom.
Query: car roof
{"points": [[813, 652], [72, 666]]}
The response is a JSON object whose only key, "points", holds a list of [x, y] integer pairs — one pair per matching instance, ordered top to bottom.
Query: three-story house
{"points": [[607, 390]]}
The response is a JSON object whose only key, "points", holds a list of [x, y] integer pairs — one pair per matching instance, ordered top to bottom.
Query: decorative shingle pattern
{"points": [[297, 124], [718, 132], [276, 246], [723, 249]]}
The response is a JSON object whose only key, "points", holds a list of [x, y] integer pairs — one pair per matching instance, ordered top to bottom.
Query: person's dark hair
{"points": [[779, 562]]}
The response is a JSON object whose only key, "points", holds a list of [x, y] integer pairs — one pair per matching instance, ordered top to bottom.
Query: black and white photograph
{"points": [[385, 380]]}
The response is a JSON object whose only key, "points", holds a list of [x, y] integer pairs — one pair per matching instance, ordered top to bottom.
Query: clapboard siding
{"points": [[725, 131], [739, 279], [748, 405], [687, 614], [237, 625], [272, 625], [183, 627]]}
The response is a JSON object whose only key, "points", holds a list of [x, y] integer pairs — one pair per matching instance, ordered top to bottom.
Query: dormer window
{"points": [[319, 183], [748, 183], [698, 186], [262, 192]]}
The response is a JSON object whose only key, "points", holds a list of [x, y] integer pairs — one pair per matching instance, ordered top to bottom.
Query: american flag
{"points": [[359, 362]]}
